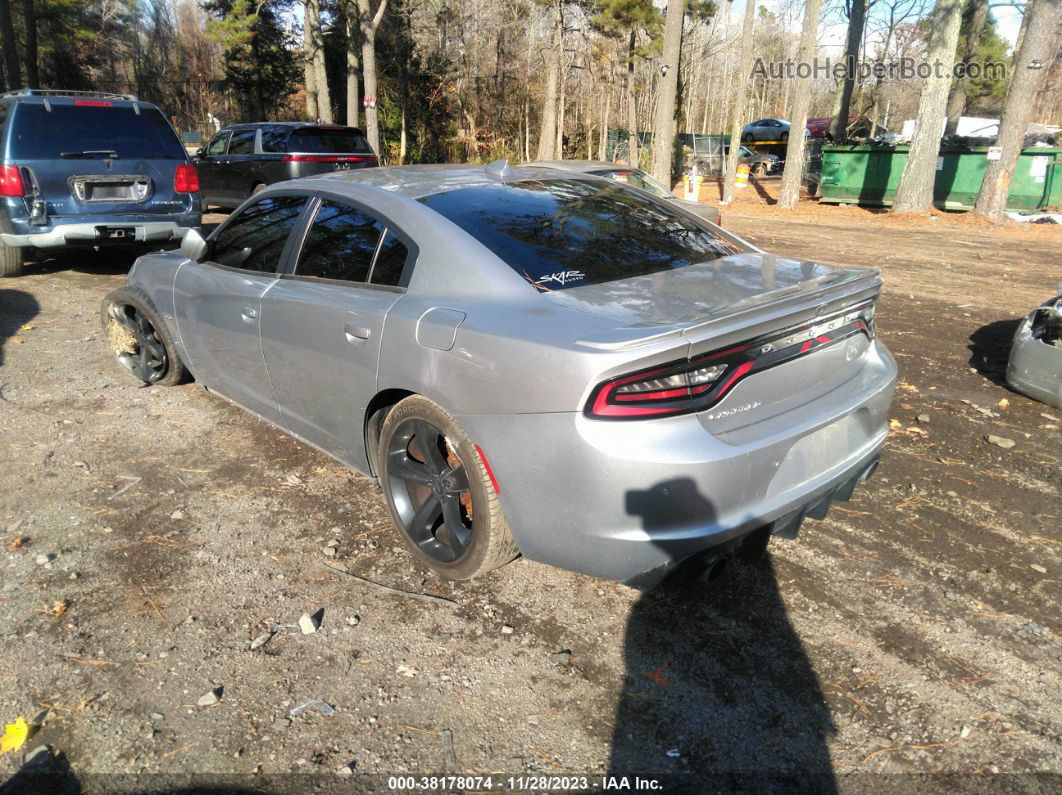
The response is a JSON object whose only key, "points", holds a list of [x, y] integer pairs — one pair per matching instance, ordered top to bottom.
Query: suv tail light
{"points": [[331, 159], [186, 179], [11, 185], [699, 383]]}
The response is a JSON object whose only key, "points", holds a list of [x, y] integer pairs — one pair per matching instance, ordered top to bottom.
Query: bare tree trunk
{"points": [[29, 17], [368, 23], [856, 23], [350, 26], [7, 36], [1040, 43], [968, 49], [743, 69], [308, 73], [527, 99], [324, 101], [632, 110], [664, 128], [547, 134], [603, 143], [558, 149], [915, 192], [789, 194]]}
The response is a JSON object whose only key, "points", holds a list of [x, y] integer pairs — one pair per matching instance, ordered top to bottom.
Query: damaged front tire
{"points": [[137, 336]]}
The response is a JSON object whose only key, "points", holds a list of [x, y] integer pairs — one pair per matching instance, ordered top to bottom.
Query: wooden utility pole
{"points": [[664, 127]]}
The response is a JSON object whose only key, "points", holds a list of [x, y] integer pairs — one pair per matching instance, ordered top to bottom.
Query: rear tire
{"points": [[785, 136], [747, 138], [12, 260], [138, 338], [423, 488]]}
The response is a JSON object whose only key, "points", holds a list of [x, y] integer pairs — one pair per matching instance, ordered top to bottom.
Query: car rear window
{"points": [[40, 134], [314, 140], [563, 233]]}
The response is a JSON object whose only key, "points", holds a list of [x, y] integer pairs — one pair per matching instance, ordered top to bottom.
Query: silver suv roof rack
{"points": [[59, 92]]}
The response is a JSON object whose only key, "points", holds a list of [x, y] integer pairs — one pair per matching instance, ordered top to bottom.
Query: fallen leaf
{"points": [[25, 327], [907, 387], [895, 424], [18, 542], [58, 608], [15, 735]]}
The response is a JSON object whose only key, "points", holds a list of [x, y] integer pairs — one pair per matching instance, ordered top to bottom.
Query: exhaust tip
{"points": [[869, 470]]}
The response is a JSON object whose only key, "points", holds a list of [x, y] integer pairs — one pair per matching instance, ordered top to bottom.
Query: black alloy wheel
{"points": [[137, 344], [430, 489]]}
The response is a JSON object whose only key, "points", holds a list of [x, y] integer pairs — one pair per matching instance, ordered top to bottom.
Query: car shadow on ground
{"points": [[105, 262], [16, 309], [990, 349], [719, 692]]}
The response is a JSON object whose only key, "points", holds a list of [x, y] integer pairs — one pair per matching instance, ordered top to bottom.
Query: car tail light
{"points": [[92, 103], [331, 159], [186, 179], [11, 184], [699, 383]]}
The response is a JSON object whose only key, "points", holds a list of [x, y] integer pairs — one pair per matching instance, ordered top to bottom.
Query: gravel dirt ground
{"points": [[153, 536]]}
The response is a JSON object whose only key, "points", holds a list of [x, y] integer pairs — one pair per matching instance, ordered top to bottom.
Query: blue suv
{"points": [[82, 168]]}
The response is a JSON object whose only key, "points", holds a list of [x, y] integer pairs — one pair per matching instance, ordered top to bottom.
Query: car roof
{"points": [[63, 100], [244, 125], [584, 166], [415, 182]]}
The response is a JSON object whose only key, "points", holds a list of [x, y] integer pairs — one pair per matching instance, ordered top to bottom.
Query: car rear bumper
{"points": [[134, 231], [620, 499]]}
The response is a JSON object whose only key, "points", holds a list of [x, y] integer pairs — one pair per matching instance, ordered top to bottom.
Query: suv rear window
{"points": [[40, 134], [314, 140], [562, 233]]}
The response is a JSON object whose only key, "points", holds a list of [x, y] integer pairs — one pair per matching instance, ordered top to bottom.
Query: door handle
{"points": [[249, 314], [354, 333]]}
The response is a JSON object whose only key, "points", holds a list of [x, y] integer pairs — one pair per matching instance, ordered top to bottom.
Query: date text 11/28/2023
{"points": [[524, 783]]}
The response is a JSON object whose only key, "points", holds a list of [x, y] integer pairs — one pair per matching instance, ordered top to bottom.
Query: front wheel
{"points": [[785, 136], [747, 137], [138, 338], [442, 500]]}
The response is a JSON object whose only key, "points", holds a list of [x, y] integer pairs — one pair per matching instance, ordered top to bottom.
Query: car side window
{"points": [[275, 139], [242, 142], [217, 144], [254, 239], [339, 244], [390, 262]]}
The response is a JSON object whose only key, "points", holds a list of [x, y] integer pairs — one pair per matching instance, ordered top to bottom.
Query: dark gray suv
{"points": [[242, 159], [89, 169]]}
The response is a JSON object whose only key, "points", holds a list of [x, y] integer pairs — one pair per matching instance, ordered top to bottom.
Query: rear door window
{"points": [[92, 126], [275, 140], [317, 140], [242, 142], [563, 233], [254, 239], [340, 244], [390, 262]]}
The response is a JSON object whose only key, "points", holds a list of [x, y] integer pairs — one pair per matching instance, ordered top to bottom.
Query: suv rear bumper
{"points": [[88, 233]]}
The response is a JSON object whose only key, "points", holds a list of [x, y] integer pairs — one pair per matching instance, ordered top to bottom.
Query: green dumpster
{"points": [[869, 175]]}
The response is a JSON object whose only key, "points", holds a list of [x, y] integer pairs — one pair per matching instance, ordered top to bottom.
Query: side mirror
{"points": [[199, 152], [194, 246]]}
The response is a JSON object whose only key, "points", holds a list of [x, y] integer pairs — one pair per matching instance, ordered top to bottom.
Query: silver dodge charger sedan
{"points": [[529, 361]]}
